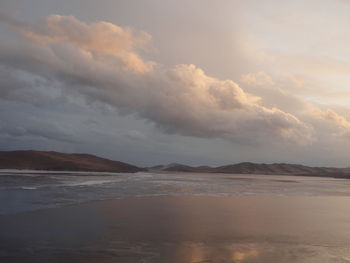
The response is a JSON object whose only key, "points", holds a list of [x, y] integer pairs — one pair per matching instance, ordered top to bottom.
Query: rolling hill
{"points": [[56, 161], [255, 168]]}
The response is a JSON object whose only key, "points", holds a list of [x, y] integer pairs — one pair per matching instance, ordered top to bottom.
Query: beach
{"points": [[184, 228]]}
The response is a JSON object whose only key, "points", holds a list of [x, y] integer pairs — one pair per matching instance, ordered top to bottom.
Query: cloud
{"points": [[96, 39], [100, 62], [259, 79], [282, 91], [189, 101], [333, 117], [16, 124], [338, 124], [37, 128], [334, 128]]}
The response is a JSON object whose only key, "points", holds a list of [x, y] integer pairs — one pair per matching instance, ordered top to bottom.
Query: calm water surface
{"points": [[27, 191], [174, 217]]}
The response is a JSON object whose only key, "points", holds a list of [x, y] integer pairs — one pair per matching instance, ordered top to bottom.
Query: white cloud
{"points": [[95, 39], [102, 58], [333, 117], [337, 124]]}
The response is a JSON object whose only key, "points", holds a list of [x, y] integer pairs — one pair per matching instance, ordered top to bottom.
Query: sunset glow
{"points": [[202, 81]]}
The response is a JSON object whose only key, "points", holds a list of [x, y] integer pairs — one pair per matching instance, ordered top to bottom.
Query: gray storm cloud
{"points": [[102, 62]]}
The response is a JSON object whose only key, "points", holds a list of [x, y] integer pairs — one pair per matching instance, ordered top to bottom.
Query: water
{"points": [[32, 190], [173, 218]]}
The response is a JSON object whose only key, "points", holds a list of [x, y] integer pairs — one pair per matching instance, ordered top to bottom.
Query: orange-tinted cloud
{"points": [[100, 38], [182, 99]]}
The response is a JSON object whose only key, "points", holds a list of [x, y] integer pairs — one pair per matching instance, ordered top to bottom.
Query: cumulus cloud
{"points": [[98, 38], [101, 62], [284, 92], [187, 100], [333, 117], [338, 123]]}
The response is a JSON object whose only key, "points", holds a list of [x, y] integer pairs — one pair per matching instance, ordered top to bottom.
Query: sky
{"points": [[159, 81]]}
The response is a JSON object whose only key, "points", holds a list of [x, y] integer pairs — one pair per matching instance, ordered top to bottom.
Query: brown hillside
{"points": [[55, 161]]}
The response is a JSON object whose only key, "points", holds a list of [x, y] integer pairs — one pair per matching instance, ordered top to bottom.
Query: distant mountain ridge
{"points": [[56, 161], [255, 168]]}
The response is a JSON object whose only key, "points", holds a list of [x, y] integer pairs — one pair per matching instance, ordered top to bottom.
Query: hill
{"points": [[56, 161], [255, 168]]}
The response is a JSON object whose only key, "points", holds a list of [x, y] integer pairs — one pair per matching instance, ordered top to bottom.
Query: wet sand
{"points": [[182, 229]]}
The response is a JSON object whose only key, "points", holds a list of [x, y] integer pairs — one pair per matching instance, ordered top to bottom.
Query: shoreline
{"points": [[96, 173]]}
